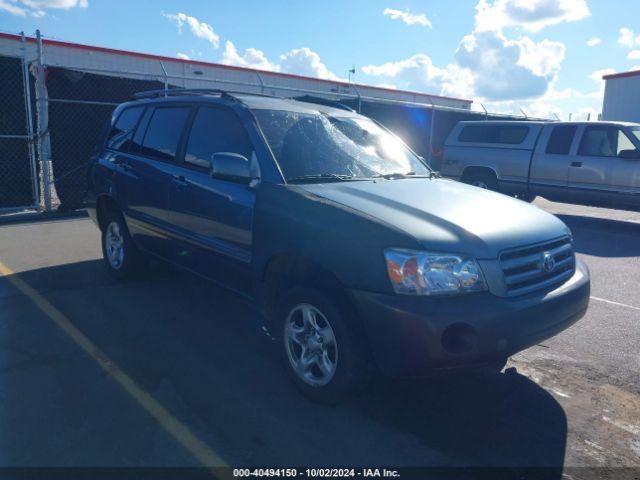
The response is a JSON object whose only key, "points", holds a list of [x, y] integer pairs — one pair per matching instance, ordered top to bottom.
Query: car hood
{"points": [[446, 216]]}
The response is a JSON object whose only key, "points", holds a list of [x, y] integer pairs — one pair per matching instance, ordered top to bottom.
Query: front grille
{"points": [[528, 269]]}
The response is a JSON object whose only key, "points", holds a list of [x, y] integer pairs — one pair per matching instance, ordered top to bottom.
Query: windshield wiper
{"points": [[399, 175], [320, 177]]}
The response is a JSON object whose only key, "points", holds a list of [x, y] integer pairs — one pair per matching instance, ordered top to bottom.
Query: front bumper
{"points": [[416, 336]]}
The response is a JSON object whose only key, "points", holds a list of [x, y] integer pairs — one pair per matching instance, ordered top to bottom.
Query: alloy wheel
{"points": [[114, 245], [311, 345]]}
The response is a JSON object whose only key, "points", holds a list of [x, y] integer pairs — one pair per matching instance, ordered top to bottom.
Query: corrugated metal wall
{"points": [[622, 99]]}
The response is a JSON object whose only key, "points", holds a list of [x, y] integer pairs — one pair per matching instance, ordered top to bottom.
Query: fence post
{"points": [[166, 80], [261, 82], [359, 104], [486, 113], [29, 117], [432, 122], [44, 140]]}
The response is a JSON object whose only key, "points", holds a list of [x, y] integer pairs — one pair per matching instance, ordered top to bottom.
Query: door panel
{"points": [[550, 164], [147, 171], [597, 175], [625, 175], [213, 217]]}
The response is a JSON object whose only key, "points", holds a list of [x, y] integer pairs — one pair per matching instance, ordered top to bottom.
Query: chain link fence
{"points": [[80, 104], [18, 187]]}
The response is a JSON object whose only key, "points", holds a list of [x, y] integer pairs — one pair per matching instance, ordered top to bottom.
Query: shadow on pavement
{"points": [[593, 236], [200, 352], [488, 420]]}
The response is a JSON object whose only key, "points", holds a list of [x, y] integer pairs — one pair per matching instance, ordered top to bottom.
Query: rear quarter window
{"points": [[122, 131], [163, 133], [507, 134]]}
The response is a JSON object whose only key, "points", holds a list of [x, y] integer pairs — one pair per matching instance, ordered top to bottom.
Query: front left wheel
{"points": [[323, 349]]}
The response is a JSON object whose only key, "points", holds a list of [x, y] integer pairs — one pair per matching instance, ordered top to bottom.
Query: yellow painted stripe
{"points": [[172, 425]]}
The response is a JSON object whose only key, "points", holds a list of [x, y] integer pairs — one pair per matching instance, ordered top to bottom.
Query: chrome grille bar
{"points": [[538, 266]]}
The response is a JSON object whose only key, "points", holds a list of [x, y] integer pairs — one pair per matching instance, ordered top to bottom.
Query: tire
{"points": [[485, 180], [527, 197], [120, 255], [323, 325]]}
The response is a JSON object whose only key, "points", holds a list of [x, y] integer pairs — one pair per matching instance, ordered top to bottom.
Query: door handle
{"points": [[576, 164], [125, 166], [180, 180]]}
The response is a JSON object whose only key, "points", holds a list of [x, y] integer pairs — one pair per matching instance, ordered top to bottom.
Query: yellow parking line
{"points": [[172, 425]]}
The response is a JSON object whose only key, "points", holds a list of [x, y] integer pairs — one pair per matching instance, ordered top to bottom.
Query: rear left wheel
{"points": [[120, 254]]}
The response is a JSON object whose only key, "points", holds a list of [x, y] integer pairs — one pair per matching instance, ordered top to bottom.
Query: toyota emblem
{"points": [[548, 262]]}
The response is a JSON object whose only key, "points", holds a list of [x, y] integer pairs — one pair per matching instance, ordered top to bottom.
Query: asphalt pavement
{"points": [[169, 370]]}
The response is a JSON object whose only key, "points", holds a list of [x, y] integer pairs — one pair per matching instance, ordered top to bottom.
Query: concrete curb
{"points": [[32, 217]]}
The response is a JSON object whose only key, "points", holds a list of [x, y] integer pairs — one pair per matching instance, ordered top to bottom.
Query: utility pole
{"points": [[352, 71]]}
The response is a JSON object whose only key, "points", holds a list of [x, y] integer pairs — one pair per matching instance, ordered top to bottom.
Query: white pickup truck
{"points": [[593, 163]]}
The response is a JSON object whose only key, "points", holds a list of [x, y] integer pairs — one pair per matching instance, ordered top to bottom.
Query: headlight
{"points": [[414, 272]]}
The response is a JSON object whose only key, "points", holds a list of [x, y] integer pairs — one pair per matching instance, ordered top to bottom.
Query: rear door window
{"points": [[216, 130], [122, 131], [164, 131], [508, 134], [560, 139]]}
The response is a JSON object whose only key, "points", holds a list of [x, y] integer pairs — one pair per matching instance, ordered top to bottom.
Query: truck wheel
{"points": [[485, 180], [526, 197], [120, 254], [324, 354]]}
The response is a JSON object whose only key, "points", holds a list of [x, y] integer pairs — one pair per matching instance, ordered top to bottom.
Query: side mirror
{"points": [[631, 154], [230, 166]]}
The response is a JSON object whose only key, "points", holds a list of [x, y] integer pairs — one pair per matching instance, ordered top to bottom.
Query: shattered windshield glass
{"points": [[308, 145]]}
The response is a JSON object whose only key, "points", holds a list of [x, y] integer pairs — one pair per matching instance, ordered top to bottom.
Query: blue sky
{"points": [[545, 56]]}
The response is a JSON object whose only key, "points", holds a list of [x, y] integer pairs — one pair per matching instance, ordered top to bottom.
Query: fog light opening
{"points": [[459, 338]]}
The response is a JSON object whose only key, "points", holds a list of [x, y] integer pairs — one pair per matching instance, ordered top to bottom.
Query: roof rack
{"points": [[178, 91], [194, 91], [232, 95], [323, 101]]}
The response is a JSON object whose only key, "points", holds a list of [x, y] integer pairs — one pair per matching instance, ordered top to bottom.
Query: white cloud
{"points": [[61, 4], [12, 8], [35, 8], [532, 15], [408, 17], [199, 29], [626, 37], [592, 42], [633, 55], [183, 56], [252, 58], [543, 58], [299, 61], [303, 61], [488, 65], [509, 69], [419, 73], [597, 75]]}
